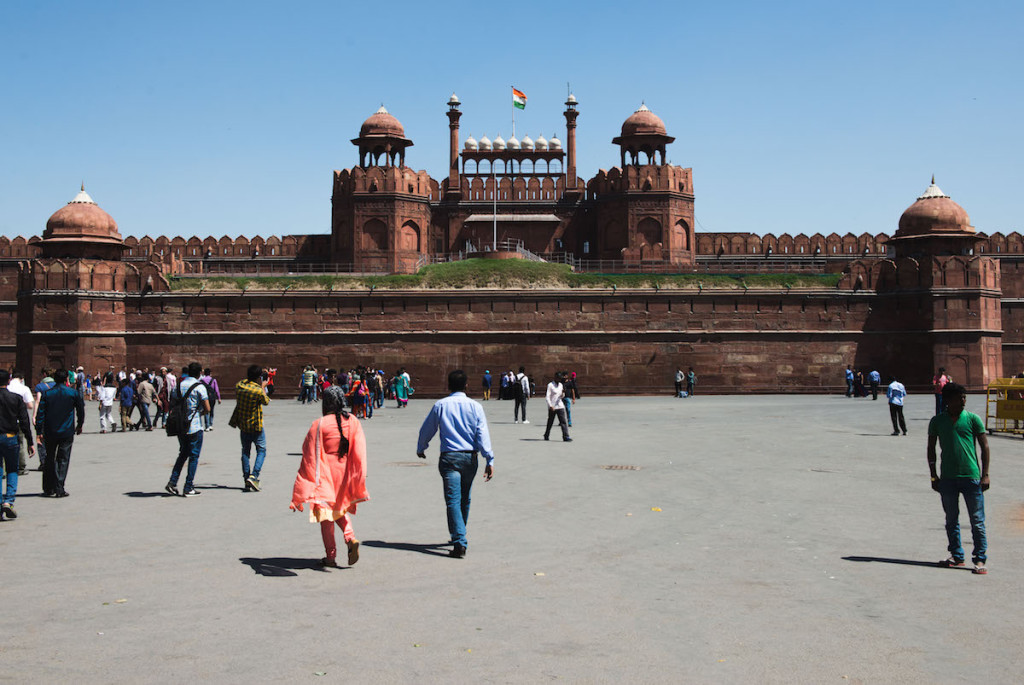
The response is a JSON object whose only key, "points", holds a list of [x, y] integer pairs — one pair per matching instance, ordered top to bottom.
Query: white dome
{"points": [[453, 100], [471, 143], [485, 143], [499, 143], [527, 143], [542, 143], [555, 143], [513, 144]]}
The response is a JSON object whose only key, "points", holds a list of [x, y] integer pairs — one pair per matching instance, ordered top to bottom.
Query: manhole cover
{"points": [[407, 463], [620, 467]]}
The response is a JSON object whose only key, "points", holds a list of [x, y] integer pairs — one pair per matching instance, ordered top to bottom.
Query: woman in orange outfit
{"points": [[332, 475]]}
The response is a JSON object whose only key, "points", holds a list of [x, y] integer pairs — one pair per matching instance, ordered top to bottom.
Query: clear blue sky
{"points": [[213, 118]]}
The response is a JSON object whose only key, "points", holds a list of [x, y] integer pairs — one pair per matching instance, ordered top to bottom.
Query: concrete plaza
{"points": [[734, 539]]}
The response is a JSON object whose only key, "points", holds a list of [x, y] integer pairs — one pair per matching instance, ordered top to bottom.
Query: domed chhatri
{"points": [[643, 122], [381, 123], [643, 133], [382, 138], [471, 143], [485, 143], [499, 143], [934, 213], [81, 229]]}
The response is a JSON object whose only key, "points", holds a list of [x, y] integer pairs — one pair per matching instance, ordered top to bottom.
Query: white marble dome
{"points": [[471, 143], [485, 143], [499, 143], [513, 143], [528, 143], [541, 143], [555, 143]]}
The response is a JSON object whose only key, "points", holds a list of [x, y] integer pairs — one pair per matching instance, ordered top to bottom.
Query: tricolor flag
{"points": [[518, 99]]}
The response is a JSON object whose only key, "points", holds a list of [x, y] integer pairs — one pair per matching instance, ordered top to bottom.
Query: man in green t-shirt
{"points": [[956, 430]]}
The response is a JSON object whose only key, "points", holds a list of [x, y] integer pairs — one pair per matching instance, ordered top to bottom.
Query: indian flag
{"points": [[518, 99]]}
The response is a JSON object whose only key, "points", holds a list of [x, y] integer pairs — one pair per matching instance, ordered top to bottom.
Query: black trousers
{"points": [[520, 402], [560, 413], [896, 414], [55, 471]]}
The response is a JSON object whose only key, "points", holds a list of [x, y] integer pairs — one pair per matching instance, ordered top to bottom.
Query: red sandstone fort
{"points": [[935, 293]]}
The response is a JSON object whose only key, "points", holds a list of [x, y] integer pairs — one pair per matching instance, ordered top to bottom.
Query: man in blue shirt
{"points": [[875, 379], [896, 392], [197, 400], [55, 427], [464, 434]]}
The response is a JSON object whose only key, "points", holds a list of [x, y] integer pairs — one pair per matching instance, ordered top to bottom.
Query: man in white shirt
{"points": [[18, 387], [521, 392], [896, 392], [554, 396]]}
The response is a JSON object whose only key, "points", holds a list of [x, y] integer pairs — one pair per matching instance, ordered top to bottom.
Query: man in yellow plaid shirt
{"points": [[250, 398]]}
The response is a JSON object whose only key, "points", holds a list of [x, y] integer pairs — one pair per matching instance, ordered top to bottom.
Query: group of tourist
{"points": [[689, 379], [860, 383], [365, 388], [332, 475]]}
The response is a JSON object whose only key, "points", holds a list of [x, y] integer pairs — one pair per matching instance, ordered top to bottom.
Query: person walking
{"points": [[849, 380], [691, 382], [938, 383], [45, 384], [487, 384], [17, 386], [402, 388], [521, 389], [214, 390], [572, 393], [896, 393], [145, 395], [105, 396], [126, 397], [250, 398], [194, 400], [556, 407], [13, 422], [57, 427], [956, 430], [464, 435], [332, 474]]}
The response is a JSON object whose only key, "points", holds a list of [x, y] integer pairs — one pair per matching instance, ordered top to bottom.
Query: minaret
{"points": [[453, 137], [570, 142]]}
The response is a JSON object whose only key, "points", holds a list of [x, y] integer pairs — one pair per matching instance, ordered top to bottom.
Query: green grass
{"points": [[505, 274]]}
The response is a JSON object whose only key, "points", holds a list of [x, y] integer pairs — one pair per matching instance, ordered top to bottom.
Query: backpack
{"points": [[178, 418]]}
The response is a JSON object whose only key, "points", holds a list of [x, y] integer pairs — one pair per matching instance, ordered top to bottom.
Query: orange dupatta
{"points": [[333, 486]]}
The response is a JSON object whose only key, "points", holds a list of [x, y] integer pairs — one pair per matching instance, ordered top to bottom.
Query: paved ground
{"points": [[763, 539]]}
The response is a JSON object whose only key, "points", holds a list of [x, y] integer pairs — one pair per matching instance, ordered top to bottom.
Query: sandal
{"points": [[353, 552], [952, 563], [980, 568]]}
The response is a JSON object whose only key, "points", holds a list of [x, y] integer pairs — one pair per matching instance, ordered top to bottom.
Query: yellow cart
{"points": [[1004, 406]]}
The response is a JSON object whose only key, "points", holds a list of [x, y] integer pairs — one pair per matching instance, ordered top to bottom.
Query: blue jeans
{"points": [[568, 410], [260, 440], [189, 447], [9, 466], [458, 469], [951, 489]]}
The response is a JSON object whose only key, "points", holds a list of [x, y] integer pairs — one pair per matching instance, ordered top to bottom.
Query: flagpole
{"points": [[513, 112]]}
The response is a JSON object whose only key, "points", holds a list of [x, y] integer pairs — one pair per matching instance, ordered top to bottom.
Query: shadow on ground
{"points": [[432, 550], [904, 562], [281, 567]]}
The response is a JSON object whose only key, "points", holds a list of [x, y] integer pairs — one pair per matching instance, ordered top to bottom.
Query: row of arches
{"points": [[907, 272]]}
